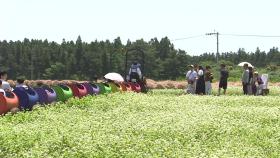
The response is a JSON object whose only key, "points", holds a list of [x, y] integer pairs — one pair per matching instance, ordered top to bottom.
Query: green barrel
{"points": [[101, 87], [107, 87], [114, 87], [63, 92], [67, 92]]}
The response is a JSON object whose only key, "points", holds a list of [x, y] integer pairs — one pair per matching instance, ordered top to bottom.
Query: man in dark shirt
{"points": [[223, 79]]}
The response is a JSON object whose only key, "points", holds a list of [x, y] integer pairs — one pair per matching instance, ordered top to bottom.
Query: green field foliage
{"points": [[162, 123]]}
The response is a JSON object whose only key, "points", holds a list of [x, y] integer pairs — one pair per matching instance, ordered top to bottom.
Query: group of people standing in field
{"points": [[200, 79], [251, 81]]}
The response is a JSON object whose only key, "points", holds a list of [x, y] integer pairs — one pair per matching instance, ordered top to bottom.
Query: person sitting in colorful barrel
{"points": [[20, 83], [5, 85], [2, 90]]}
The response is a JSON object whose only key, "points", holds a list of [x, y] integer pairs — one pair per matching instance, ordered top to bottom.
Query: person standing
{"points": [[196, 69], [191, 78], [223, 79], [245, 79], [208, 80], [253, 83], [200, 85], [250, 85], [259, 85]]}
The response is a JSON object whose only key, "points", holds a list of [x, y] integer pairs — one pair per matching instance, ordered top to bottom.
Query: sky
{"points": [[136, 19]]}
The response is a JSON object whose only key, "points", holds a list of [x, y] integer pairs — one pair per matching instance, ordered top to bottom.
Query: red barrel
{"points": [[132, 86], [137, 87], [74, 89], [78, 90], [82, 90], [8, 102]]}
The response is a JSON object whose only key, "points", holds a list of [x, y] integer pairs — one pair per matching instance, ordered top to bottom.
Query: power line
{"points": [[237, 35], [248, 35], [185, 38]]}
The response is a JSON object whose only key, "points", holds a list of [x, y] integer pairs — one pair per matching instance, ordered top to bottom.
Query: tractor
{"points": [[133, 55]]}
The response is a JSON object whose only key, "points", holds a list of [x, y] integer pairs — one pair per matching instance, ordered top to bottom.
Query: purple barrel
{"points": [[89, 88], [95, 88], [51, 95], [43, 97]]}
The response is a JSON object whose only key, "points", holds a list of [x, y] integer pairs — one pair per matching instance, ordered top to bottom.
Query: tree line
{"points": [[43, 59]]}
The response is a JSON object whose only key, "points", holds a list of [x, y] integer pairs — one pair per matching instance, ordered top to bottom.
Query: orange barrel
{"points": [[128, 86], [121, 87]]}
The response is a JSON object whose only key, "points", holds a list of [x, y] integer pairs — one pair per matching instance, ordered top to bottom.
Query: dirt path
{"points": [[151, 83]]}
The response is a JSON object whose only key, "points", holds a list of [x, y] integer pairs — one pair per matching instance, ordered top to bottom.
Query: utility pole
{"points": [[217, 34]]}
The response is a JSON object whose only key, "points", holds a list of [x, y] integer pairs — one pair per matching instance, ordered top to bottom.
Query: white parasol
{"points": [[243, 63], [114, 77]]}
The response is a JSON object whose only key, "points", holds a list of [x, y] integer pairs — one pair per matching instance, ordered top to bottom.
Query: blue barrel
{"points": [[27, 97]]}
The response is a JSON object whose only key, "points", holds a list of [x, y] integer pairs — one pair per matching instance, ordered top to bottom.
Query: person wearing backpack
{"points": [[135, 73]]}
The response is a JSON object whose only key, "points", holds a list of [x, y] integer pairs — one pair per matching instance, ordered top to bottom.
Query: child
{"points": [[259, 87]]}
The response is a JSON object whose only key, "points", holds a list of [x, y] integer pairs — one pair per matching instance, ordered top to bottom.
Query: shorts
{"points": [[223, 84]]}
